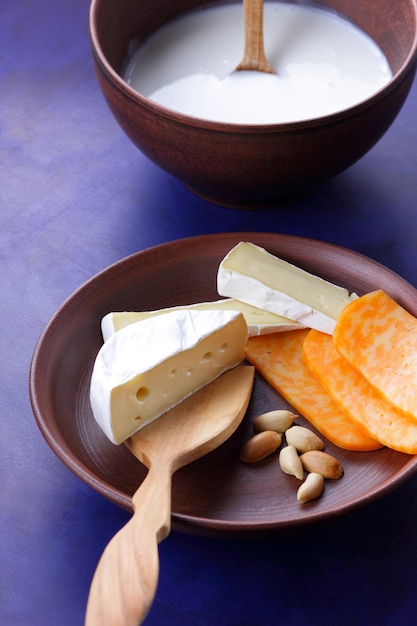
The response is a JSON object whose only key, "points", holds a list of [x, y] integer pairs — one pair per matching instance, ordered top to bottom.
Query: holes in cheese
{"points": [[251, 274], [279, 359], [150, 366], [142, 393]]}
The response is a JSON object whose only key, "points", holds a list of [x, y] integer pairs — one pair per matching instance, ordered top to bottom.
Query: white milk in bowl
{"points": [[324, 64]]}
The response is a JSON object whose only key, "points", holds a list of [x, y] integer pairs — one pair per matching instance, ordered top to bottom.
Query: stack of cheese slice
{"points": [[375, 348], [279, 359], [150, 366], [356, 386]]}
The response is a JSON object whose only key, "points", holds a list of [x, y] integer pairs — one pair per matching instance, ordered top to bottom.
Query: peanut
{"points": [[279, 421], [303, 439], [260, 446], [290, 463], [322, 463], [311, 488]]}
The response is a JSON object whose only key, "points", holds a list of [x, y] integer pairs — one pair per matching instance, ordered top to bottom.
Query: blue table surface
{"points": [[75, 196]]}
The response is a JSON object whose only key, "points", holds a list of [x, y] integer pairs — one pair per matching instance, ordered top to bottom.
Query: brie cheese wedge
{"points": [[253, 275], [259, 321], [150, 366]]}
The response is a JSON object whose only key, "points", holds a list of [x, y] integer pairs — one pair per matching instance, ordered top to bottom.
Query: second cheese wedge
{"points": [[253, 275], [259, 321], [149, 367]]}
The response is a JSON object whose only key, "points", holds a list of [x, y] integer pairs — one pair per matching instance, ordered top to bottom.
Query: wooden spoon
{"points": [[254, 58], [125, 581]]}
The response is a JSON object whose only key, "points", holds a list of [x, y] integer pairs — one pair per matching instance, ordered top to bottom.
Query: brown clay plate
{"points": [[217, 494]]}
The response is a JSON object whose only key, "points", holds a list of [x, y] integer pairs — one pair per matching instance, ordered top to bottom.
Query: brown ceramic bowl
{"points": [[239, 165]]}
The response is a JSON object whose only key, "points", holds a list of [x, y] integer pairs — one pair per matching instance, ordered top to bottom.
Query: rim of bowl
{"points": [[408, 66]]}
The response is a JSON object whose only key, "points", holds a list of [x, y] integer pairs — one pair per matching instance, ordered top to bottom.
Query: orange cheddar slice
{"points": [[379, 339], [279, 359], [356, 396]]}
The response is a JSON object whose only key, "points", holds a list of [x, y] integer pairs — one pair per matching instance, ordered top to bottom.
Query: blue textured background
{"points": [[75, 196]]}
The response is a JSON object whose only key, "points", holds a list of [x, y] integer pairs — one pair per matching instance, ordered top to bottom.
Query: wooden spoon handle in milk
{"points": [[254, 58], [126, 578]]}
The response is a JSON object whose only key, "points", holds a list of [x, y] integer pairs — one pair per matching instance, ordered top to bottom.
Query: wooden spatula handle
{"points": [[126, 577]]}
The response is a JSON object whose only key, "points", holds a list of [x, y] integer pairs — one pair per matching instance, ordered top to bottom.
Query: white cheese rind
{"points": [[253, 275], [259, 321], [150, 366]]}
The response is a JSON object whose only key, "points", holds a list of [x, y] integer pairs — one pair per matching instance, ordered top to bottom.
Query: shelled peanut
{"points": [[279, 420], [260, 446], [304, 452], [311, 488]]}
